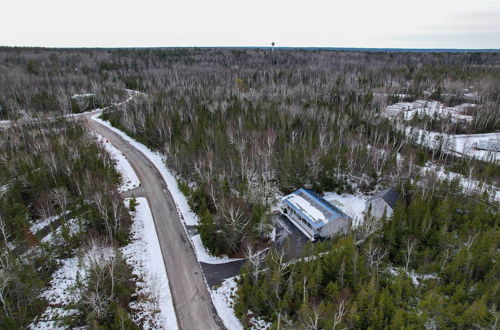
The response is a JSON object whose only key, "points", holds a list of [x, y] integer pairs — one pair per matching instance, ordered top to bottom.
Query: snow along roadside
{"points": [[128, 175], [189, 218], [144, 256], [223, 298]]}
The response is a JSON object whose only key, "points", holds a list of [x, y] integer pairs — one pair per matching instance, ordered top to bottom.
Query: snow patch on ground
{"points": [[75, 96], [458, 144], [128, 175], [469, 185], [3, 189], [352, 205], [188, 217], [42, 223], [74, 226], [144, 255], [204, 256], [415, 277], [62, 289], [61, 292], [223, 298]]}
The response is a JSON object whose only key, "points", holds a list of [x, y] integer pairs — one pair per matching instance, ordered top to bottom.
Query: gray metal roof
{"points": [[390, 196], [315, 207]]}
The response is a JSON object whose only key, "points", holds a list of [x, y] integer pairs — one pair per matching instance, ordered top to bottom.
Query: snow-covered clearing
{"points": [[407, 110], [458, 144], [465, 144], [128, 175], [352, 205], [188, 217], [223, 298], [155, 308]]}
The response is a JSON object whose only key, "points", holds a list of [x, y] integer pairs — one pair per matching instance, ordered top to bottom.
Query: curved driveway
{"points": [[192, 301]]}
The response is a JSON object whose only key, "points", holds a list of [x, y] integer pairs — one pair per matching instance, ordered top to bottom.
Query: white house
{"points": [[382, 202], [313, 215]]}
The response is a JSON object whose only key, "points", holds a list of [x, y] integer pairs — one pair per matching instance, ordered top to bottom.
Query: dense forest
{"points": [[288, 119], [242, 127], [57, 181], [432, 265]]}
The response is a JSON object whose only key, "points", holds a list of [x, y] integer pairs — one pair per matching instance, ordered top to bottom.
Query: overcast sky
{"points": [[317, 23]]}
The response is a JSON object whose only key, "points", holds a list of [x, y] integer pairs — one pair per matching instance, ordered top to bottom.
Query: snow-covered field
{"points": [[407, 110], [128, 175], [352, 205], [188, 217], [155, 310]]}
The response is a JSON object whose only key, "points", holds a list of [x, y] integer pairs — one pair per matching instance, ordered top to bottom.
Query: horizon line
{"points": [[373, 49]]}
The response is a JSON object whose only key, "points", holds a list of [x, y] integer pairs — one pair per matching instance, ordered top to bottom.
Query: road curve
{"points": [[192, 302]]}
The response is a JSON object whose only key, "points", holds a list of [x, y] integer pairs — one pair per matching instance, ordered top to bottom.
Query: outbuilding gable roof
{"points": [[390, 196]]}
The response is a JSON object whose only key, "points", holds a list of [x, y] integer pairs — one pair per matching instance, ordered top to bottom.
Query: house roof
{"points": [[390, 196], [313, 208]]}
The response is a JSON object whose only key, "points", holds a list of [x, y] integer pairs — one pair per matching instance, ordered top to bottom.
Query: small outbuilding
{"points": [[382, 202], [313, 215]]}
